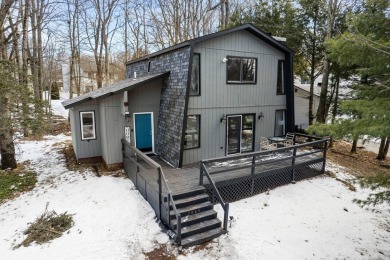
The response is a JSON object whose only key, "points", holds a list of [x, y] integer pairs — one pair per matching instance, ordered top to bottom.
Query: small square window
{"points": [[241, 70], [87, 121], [192, 133]]}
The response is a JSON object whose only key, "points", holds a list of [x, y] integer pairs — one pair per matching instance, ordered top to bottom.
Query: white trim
{"points": [[93, 125], [135, 131], [227, 134]]}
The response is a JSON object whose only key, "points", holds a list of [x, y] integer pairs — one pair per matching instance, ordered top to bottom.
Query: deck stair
{"points": [[199, 222]]}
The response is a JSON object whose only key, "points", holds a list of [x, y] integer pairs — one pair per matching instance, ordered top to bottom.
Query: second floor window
{"points": [[241, 70], [195, 76], [280, 80]]}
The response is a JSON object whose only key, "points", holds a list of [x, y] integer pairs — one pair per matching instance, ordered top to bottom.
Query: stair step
{"points": [[180, 194], [196, 199], [192, 209], [194, 218], [200, 227], [201, 238]]}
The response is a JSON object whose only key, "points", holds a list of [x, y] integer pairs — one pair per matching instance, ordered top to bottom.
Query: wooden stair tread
{"points": [[192, 198], [192, 208], [194, 217], [202, 225], [201, 238]]}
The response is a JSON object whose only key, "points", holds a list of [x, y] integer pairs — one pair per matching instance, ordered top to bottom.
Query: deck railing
{"points": [[141, 162], [261, 171], [225, 206]]}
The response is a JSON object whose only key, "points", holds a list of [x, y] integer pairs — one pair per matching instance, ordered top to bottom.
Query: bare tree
{"points": [[98, 18]]}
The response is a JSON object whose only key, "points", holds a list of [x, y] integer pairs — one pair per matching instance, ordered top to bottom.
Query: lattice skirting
{"points": [[243, 187]]}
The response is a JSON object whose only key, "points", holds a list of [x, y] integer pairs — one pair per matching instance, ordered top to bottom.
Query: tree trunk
{"points": [[336, 100], [354, 145], [386, 149], [381, 151]]}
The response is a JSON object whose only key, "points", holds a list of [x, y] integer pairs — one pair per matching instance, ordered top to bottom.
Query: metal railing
{"points": [[134, 155], [264, 168], [225, 206]]}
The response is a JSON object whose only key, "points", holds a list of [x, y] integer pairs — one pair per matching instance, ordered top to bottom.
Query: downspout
{"points": [[192, 47]]}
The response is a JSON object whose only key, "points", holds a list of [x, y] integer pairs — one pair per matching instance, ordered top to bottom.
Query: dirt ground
{"points": [[363, 163]]}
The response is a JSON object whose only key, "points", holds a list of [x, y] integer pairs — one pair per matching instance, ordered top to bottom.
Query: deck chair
{"points": [[289, 140], [266, 145]]}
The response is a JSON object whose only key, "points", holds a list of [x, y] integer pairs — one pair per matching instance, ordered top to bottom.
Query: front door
{"points": [[143, 131], [233, 134]]}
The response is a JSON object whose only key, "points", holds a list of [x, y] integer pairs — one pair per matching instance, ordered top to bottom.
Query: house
{"points": [[211, 96], [301, 98]]}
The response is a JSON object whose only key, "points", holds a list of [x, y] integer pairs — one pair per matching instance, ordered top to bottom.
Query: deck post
{"points": [[325, 149], [293, 165], [201, 174], [159, 191], [169, 209], [226, 216]]}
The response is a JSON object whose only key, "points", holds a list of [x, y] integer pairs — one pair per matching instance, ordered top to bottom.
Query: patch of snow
{"points": [[56, 106], [312, 219], [112, 220]]}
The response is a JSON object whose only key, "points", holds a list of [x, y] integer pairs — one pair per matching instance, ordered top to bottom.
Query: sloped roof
{"points": [[247, 27], [112, 89]]}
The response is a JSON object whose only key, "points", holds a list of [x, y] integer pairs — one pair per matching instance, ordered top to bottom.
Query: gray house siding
{"points": [[219, 98], [145, 99], [172, 105], [113, 123], [86, 148]]}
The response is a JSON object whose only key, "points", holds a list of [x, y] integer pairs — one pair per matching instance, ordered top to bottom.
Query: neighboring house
{"points": [[87, 75], [302, 91], [212, 96], [301, 106]]}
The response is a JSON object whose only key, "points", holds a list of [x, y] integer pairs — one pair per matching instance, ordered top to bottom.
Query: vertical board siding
{"points": [[219, 98], [145, 99], [113, 124], [87, 148]]}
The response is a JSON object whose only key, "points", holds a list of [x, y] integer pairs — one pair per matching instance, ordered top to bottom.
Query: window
{"points": [[241, 70], [195, 76], [280, 80], [87, 120], [280, 124], [247, 133], [192, 134]]}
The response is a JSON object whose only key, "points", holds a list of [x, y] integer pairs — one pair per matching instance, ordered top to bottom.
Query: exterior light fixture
{"points": [[224, 60], [261, 116], [223, 119]]}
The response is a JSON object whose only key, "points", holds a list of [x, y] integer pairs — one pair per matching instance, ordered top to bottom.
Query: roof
{"points": [[247, 27], [112, 89], [307, 90]]}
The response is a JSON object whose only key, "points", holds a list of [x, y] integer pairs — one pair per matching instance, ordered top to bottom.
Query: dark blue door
{"points": [[143, 132]]}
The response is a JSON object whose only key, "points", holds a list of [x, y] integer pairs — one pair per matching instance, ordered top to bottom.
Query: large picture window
{"points": [[241, 70], [195, 75], [280, 80], [280, 122], [88, 129], [192, 134]]}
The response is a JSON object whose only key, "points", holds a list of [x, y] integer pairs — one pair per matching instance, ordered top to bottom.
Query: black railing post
{"points": [[325, 149], [293, 165], [253, 173], [201, 174], [159, 191], [169, 209], [226, 216], [178, 232]]}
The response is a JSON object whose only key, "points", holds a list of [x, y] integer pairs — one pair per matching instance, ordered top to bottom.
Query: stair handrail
{"points": [[161, 180], [225, 205]]}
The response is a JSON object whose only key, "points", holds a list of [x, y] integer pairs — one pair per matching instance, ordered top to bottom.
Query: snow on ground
{"points": [[57, 108], [312, 219]]}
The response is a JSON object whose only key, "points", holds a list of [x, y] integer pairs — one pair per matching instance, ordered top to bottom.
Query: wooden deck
{"points": [[188, 176]]}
